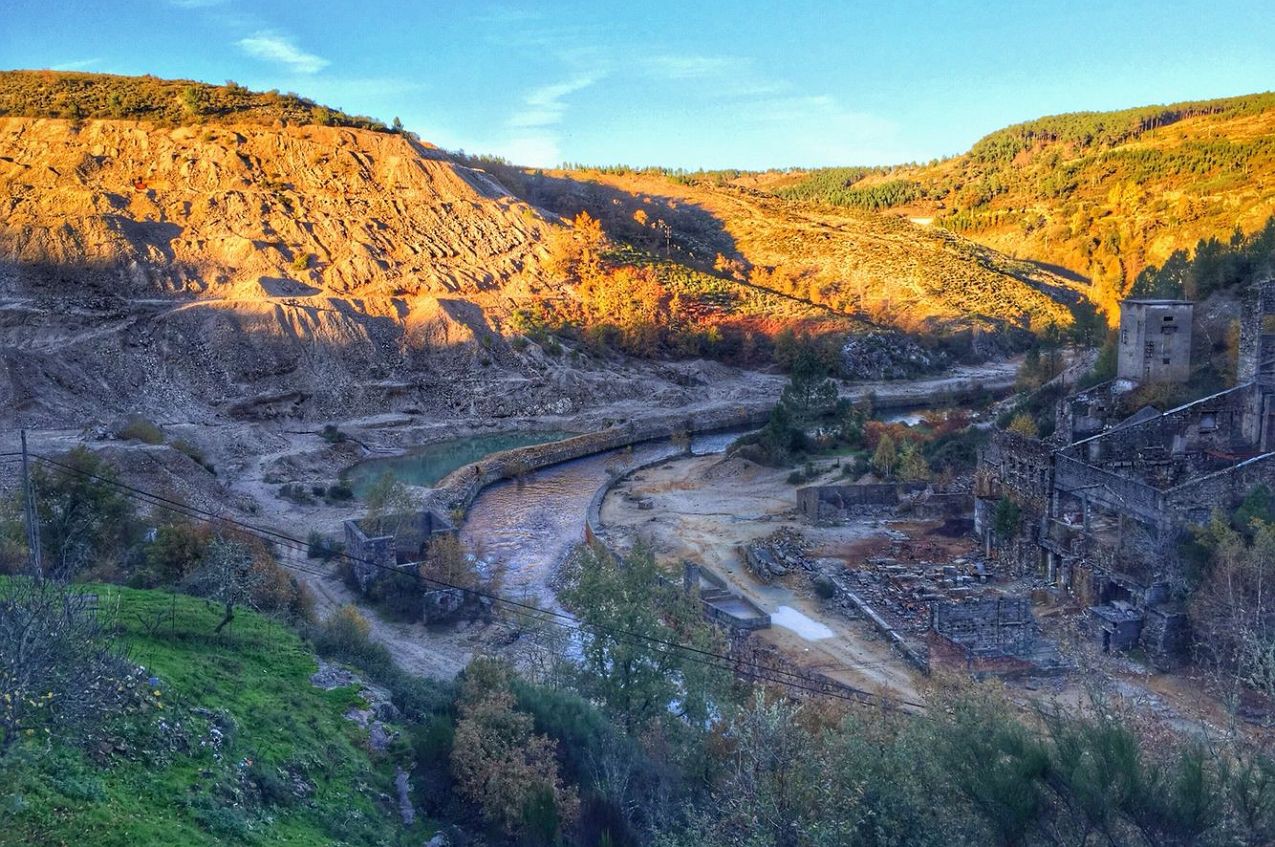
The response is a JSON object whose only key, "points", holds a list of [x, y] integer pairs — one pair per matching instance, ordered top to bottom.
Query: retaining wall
{"points": [[458, 489], [717, 603]]}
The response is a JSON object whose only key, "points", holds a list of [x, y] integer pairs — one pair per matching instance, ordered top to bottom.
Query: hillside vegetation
{"points": [[80, 96], [1104, 194], [845, 261], [231, 744]]}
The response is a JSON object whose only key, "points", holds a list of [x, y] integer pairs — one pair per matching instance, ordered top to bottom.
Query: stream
{"points": [[526, 530]]}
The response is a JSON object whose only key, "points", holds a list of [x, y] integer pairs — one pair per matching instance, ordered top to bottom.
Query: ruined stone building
{"points": [[1155, 340], [1105, 506], [377, 545]]}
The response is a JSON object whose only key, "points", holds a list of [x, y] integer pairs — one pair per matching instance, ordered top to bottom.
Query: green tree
{"points": [[809, 393], [885, 456], [912, 465], [389, 501], [85, 519], [1005, 520], [629, 616], [501, 765]]}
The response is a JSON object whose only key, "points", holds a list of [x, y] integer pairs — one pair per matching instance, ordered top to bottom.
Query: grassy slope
{"points": [[1103, 194], [259, 674]]}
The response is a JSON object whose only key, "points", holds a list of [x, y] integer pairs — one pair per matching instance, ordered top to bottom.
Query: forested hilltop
{"points": [[83, 96], [1103, 194]]}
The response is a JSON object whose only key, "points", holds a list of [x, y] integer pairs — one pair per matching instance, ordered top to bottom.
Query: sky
{"points": [[690, 84]]}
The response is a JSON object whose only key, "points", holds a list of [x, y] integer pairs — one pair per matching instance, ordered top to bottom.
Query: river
{"points": [[526, 530]]}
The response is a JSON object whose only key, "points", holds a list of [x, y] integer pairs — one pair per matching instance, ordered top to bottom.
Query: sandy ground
{"points": [[704, 508]]}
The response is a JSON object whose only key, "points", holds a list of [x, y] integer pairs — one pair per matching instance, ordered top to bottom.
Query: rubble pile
{"points": [[782, 552], [902, 592]]}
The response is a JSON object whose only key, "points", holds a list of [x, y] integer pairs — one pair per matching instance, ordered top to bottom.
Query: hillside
{"points": [[1103, 194], [194, 252], [848, 261], [233, 744]]}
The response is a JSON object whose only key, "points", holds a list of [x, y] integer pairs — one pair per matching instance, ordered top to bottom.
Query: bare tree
{"points": [[60, 669]]}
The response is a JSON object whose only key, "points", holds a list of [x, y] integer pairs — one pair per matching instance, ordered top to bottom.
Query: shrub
{"points": [[138, 428], [331, 434], [183, 446], [340, 491], [296, 493], [319, 546]]}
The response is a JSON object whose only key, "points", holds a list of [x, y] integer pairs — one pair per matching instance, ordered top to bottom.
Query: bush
{"points": [[138, 428], [332, 435], [183, 446], [340, 492], [296, 493], [319, 546], [345, 637]]}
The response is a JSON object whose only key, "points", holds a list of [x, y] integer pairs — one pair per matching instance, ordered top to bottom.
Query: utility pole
{"points": [[32, 519]]}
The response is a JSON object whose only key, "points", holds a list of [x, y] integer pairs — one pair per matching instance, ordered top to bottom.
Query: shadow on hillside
{"points": [[681, 230], [1058, 270]]}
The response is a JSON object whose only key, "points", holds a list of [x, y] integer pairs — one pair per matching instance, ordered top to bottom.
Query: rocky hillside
{"points": [[1104, 194], [247, 212], [194, 252], [203, 269]]}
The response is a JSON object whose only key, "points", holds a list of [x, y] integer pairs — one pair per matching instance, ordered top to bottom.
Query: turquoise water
{"points": [[428, 464]]}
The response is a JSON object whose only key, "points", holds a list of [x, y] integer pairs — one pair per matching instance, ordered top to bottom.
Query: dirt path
{"points": [[703, 508]]}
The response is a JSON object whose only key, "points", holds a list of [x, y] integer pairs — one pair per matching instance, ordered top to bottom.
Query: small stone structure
{"points": [[1155, 340], [830, 504], [376, 546], [731, 610], [994, 634]]}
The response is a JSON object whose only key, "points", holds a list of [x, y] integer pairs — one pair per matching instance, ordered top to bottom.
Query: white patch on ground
{"points": [[807, 627]]}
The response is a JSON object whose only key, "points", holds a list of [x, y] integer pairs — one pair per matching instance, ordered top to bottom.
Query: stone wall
{"points": [[459, 489], [825, 504], [376, 546], [370, 555], [988, 626]]}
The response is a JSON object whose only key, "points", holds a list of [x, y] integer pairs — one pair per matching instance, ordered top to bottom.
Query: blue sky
{"points": [[694, 83]]}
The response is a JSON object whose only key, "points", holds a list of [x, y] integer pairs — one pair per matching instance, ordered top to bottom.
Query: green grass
{"points": [[164, 787]]}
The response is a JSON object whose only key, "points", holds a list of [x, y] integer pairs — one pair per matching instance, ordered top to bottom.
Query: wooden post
{"points": [[30, 515]]}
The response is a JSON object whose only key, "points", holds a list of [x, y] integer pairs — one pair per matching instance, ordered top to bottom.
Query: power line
{"points": [[532, 613], [700, 656]]}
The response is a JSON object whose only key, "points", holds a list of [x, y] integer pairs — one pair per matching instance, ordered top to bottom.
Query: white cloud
{"points": [[272, 47], [75, 66], [691, 67], [546, 105]]}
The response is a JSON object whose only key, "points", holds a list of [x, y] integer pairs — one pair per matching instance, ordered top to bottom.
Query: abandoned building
{"points": [[1155, 340], [825, 505], [1104, 506], [376, 545]]}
